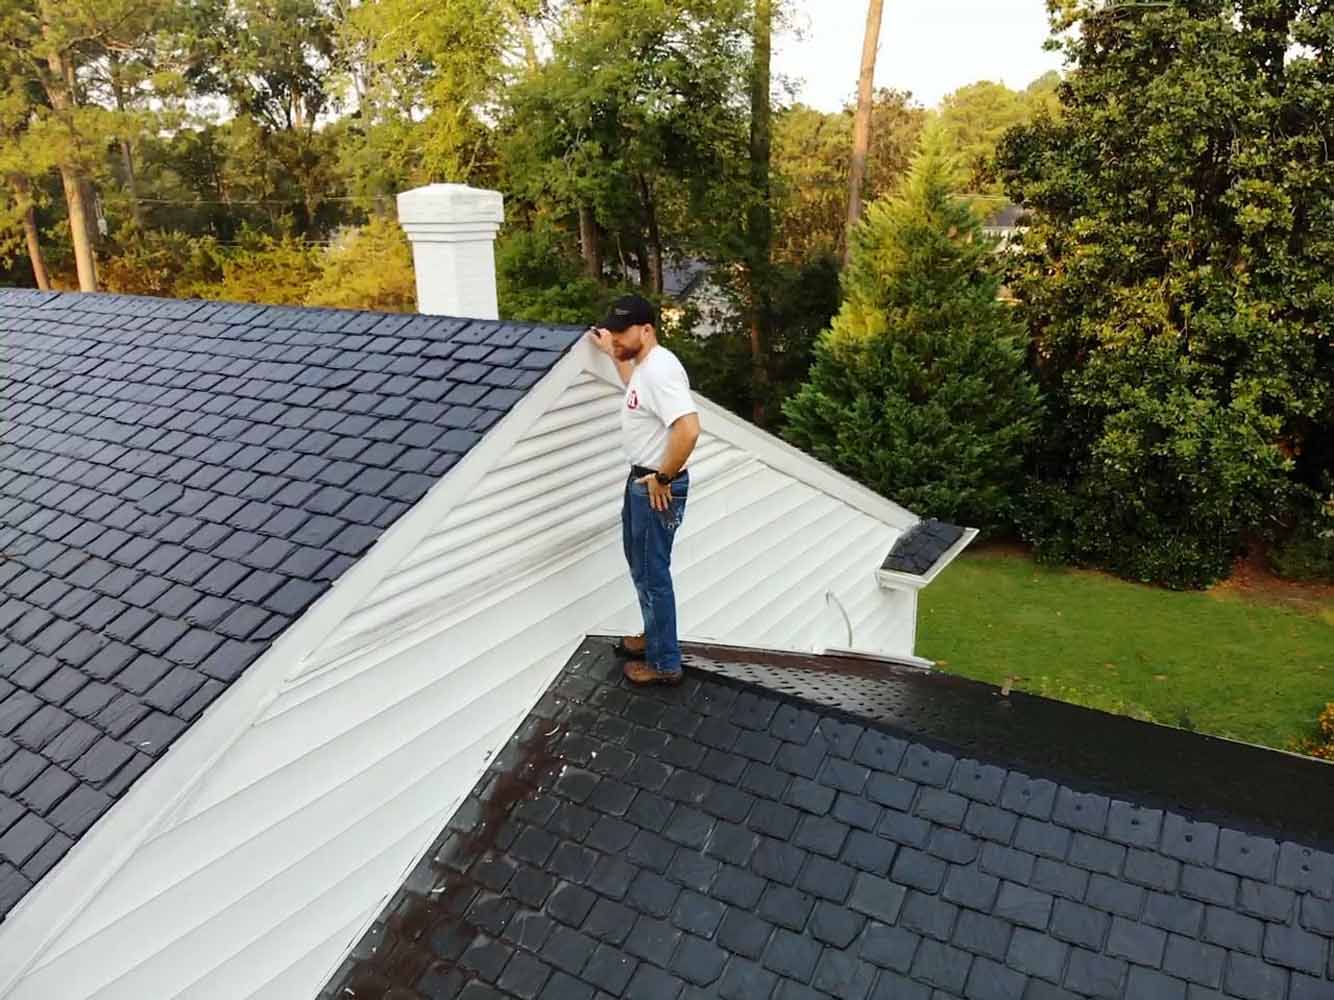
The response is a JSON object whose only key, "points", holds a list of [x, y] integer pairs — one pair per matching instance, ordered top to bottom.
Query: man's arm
{"points": [[602, 340], [681, 439]]}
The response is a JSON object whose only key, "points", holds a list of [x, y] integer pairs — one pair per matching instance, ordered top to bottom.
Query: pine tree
{"points": [[919, 388]]}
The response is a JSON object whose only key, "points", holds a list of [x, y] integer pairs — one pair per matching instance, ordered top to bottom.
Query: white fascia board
{"points": [[775, 452], [893, 579], [53, 902]]}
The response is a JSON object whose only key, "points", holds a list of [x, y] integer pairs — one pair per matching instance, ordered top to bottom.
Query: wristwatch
{"points": [[662, 478]]}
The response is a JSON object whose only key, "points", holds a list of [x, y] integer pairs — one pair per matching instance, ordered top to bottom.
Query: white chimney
{"points": [[452, 229]]}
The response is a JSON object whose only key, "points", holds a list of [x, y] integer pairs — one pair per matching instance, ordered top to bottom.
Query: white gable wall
{"points": [[258, 881]]}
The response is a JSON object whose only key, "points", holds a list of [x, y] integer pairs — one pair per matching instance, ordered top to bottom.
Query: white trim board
{"points": [[52, 904]]}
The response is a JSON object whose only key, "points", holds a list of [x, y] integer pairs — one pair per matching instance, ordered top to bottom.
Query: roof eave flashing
{"points": [[892, 579], [893, 659]]}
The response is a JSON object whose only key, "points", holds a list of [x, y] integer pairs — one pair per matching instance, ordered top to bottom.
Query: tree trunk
{"points": [[60, 91], [861, 127], [126, 150], [131, 183], [79, 213], [761, 220], [30, 232], [654, 237], [588, 242], [640, 255]]}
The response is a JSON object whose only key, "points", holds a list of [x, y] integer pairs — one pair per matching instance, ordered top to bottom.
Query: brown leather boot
{"points": [[632, 646], [639, 672]]}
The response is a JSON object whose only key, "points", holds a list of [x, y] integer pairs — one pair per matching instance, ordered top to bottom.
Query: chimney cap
{"points": [[450, 203]]}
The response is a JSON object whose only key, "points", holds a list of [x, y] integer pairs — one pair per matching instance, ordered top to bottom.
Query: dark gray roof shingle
{"points": [[179, 481], [919, 548], [811, 852]]}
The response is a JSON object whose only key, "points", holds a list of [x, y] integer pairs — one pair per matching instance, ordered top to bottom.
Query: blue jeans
{"points": [[648, 535]]}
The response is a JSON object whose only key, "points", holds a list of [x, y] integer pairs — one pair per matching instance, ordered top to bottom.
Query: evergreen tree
{"points": [[918, 388]]}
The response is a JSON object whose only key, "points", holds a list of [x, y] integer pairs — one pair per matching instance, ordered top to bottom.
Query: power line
{"points": [[258, 201]]}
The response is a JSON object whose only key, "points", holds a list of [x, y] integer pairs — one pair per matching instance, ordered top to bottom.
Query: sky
{"points": [[930, 47]]}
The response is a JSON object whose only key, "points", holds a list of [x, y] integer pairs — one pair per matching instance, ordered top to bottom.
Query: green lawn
{"points": [[1225, 661]]}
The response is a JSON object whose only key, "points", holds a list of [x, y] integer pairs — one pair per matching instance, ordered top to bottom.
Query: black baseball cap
{"points": [[628, 311]]}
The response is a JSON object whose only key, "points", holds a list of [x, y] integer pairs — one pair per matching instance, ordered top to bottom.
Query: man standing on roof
{"points": [[659, 428]]}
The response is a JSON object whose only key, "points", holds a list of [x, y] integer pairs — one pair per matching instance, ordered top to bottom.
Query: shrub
{"points": [[152, 262], [369, 267], [263, 269], [1175, 277], [538, 280], [918, 389], [1175, 476], [1308, 552], [1322, 744]]}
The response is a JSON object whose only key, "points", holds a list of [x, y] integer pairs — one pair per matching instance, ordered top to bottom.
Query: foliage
{"points": [[272, 59], [425, 77], [639, 116], [974, 118], [810, 165], [157, 262], [366, 267], [369, 267], [274, 270], [538, 280], [1176, 280], [805, 299], [918, 389], [1307, 553], [1185, 658], [1322, 745]]}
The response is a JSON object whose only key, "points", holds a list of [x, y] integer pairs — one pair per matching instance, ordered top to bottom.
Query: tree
{"points": [[53, 51], [427, 76], [638, 116], [974, 118], [861, 133], [21, 163], [810, 168], [760, 221], [1176, 280], [918, 389]]}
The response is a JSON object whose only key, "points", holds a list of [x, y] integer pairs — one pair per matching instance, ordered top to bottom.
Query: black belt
{"points": [[640, 471]]}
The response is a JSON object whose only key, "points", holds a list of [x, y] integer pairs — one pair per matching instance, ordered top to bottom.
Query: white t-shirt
{"points": [[657, 395]]}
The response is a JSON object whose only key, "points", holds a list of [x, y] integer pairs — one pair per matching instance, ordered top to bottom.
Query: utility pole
{"points": [[861, 126], [761, 213]]}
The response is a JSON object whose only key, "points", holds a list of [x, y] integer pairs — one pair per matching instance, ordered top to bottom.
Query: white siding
{"points": [[258, 882]]}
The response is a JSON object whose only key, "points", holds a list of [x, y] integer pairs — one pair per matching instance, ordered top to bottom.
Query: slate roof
{"points": [[1007, 217], [680, 277], [178, 482], [919, 548], [725, 840]]}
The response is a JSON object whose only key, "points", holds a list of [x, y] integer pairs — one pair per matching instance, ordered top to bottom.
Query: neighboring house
{"points": [[1005, 224], [689, 284], [276, 584]]}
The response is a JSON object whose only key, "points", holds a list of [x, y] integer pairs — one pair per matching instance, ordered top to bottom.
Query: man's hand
{"points": [[601, 340], [659, 496]]}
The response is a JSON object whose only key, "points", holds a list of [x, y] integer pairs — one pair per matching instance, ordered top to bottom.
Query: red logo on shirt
{"points": [[632, 399]]}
